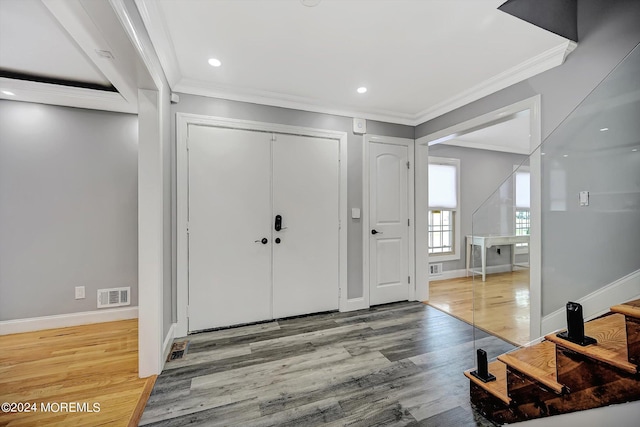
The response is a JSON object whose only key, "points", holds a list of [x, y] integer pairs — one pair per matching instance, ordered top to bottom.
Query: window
{"points": [[443, 206], [523, 213], [441, 232]]}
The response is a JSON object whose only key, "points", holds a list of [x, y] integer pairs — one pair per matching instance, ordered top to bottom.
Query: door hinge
{"points": [[187, 143], [408, 165], [408, 222], [187, 228], [409, 279], [187, 312]]}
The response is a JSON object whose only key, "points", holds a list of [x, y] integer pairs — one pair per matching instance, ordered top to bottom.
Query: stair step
{"points": [[630, 308], [631, 311], [610, 331], [538, 362], [497, 388]]}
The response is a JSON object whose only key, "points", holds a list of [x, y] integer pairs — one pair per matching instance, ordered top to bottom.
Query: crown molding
{"points": [[161, 39], [527, 69], [195, 87], [46, 93], [491, 147]]}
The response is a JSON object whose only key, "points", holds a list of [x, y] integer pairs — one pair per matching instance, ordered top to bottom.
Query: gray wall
{"points": [[608, 31], [262, 113], [481, 172], [68, 207], [601, 242]]}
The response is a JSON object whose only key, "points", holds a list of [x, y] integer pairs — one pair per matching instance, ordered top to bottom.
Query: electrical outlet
{"points": [[79, 292]]}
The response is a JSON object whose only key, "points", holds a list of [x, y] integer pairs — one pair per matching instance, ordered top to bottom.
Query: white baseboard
{"points": [[451, 274], [454, 274], [597, 303], [354, 304], [64, 320], [168, 342]]}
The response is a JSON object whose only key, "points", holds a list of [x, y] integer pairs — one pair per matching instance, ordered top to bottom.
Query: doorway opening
{"points": [[493, 152]]}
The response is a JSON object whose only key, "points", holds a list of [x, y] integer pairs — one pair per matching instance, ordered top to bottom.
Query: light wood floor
{"points": [[500, 305], [93, 364], [393, 365]]}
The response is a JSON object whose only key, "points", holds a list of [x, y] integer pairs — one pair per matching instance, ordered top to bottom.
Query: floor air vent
{"points": [[114, 297], [178, 350]]}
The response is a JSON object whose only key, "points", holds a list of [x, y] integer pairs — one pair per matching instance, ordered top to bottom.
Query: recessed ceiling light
{"points": [[310, 3], [215, 62], [362, 89], [8, 93], [604, 129], [634, 150], [542, 154], [565, 155]]}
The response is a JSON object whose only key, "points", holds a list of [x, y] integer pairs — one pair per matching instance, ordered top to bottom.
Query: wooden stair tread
{"points": [[630, 308], [610, 331], [538, 362], [497, 388]]}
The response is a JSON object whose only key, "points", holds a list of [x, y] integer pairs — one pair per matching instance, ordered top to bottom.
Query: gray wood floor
{"points": [[398, 364]]}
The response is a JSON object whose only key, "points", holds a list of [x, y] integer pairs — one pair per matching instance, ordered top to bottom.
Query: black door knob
{"points": [[374, 231], [278, 240], [264, 241]]}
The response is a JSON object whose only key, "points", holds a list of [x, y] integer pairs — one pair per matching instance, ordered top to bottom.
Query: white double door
{"points": [[241, 269]]}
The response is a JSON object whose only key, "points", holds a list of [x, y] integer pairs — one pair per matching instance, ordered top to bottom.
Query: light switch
{"points": [[584, 198], [355, 213]]}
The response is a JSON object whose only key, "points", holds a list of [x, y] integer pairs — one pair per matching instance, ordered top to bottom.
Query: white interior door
{"points": [[306, 195], [229, 210], [389, 223]]}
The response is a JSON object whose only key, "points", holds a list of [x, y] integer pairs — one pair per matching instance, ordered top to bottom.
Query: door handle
{"points": [[374, 231], [264, 241]]}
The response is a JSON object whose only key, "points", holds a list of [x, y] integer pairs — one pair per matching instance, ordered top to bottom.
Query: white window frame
{"points": [[457, 238], [522, 248]]}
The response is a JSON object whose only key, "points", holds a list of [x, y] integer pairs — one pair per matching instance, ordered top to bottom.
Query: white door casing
{"points": [[532, 104], [185, 122], [305, 193], [229, 209], [389, 223]]}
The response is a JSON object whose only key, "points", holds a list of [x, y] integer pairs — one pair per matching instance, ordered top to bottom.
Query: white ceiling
{"points": [[68, 40], [44, 47], [418, 58], [511, 134]]}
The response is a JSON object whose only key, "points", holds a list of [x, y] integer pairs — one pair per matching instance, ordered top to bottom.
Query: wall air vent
{"points": [[435, 269], [114, 297]]}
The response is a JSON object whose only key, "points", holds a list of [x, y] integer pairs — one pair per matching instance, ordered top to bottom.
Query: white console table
{"points": [[485, 242]]}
